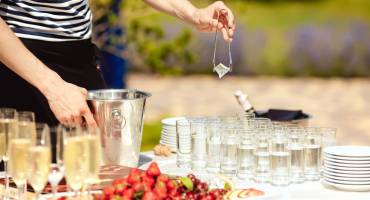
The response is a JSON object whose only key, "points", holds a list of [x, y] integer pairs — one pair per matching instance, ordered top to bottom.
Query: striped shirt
{"points": [[48, 20]]}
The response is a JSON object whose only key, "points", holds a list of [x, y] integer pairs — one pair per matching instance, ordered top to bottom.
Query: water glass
{"points": [[8, 127], [213, 127], [262, 128], [328, 136], [296, 137], [183, 144], [198, 144], [229, 147], [246, 151], [312, 153], [280, 157], [39, 158]]}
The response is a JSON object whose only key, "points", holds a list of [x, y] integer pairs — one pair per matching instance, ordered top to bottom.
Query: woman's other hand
{"points": [[216, 16]]}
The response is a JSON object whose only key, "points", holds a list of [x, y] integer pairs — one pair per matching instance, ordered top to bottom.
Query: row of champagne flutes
{"points": [[25, 148], [254, 149]]}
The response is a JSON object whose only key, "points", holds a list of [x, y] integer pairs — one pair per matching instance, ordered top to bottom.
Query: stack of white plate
{"points": [[168, 134], [347, 167]]}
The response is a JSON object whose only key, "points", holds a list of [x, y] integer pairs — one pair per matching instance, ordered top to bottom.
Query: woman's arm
{"points": [[216, 15], [67, 101]]}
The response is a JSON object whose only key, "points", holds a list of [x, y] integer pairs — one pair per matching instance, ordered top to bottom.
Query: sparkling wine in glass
{"points": [[8, 127], [93, 146], [75, 158], [39, 159], [57, 169]]}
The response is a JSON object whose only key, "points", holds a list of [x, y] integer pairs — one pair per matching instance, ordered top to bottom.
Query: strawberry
{"points": [[153, 170], [134, 176], [163, 178], [120, 181], [149, 181], [172, 185], [138, 187], [119, 189], [160, 189], [108, 191], [129, 193], [150, 196]]}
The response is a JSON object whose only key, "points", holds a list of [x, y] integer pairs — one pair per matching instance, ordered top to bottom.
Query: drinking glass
{"points": [[26, 123], [8, 128], [262, 128], [183, 136], [328, 136], [296, 137], [19, 144], [198, 144], [213, 145], [93, 146], [229, 147], [246, 150], [312, 153], [280, 157], [75, 158], [39, 159], [57, 169]]}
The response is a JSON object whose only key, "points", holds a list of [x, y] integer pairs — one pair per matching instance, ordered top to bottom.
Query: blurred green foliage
{"points": [[148, 49]]}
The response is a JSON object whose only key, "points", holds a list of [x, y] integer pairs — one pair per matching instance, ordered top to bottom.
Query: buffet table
{"points": [[305, 191]]}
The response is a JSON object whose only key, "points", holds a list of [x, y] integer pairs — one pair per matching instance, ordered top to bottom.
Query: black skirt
{"points": [[74, 61]]}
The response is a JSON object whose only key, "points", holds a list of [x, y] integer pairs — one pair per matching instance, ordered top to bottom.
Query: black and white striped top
{"points": [[48, 20]]}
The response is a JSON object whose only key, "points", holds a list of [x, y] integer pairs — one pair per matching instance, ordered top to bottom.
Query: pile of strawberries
{"points": [[152, 185]]}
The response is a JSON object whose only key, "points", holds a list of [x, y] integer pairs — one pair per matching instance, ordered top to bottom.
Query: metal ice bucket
{"points": [[119, 115]]}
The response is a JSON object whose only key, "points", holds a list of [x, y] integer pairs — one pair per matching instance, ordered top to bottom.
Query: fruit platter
{"points": [[154, 185]]}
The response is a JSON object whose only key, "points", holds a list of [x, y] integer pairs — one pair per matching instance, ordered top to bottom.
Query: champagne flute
{"points": [[26, 123], [8, 127], [19, 144], [93, 145], [39, 158], [75, 158], [57, 168]]}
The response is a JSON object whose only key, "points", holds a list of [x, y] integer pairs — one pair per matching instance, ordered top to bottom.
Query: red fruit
{"points": [[153, 170], [134, 176], [163, 178], [147, 180], [120, 181], [172, 185], [138, 187], [119, 189], [160, 189], [108, 191], [129, 193], [173, 193], [150, 196]]}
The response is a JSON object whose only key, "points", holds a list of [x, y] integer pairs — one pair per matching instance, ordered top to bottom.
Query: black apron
{"points": [[74, 61]]}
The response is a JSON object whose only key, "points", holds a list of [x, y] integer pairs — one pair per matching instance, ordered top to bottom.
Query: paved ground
{"points": [[341, 103]]}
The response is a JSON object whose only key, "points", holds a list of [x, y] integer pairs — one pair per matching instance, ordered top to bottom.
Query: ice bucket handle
{"points": [[117, 119]]}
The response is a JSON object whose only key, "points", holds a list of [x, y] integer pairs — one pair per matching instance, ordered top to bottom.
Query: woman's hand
{"points": [[216, 16], [68, 103]]}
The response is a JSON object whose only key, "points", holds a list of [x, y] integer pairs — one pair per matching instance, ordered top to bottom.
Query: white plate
{"points": [[171, 121], [170, 129], [348, 151], [336, 159], [338, 164], [363, 169], [346, 171], [346, 175], [352, 179], [346, 182], [354, 188]]}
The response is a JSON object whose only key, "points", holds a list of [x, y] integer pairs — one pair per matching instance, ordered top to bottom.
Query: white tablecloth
{"points": [[305, 191]]}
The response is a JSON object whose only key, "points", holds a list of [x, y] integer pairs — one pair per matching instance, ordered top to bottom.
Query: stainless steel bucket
{"points": [[119, 115]]}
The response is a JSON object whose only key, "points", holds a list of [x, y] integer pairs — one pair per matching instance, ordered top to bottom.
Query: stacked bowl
{"points": [[168, 134], [347, 167]]}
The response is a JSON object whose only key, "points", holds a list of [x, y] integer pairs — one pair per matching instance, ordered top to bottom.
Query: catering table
{"points": [[304, 191]]}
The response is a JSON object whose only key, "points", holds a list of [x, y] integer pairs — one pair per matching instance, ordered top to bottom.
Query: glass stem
{"points": [[6, 179], [54, 191], [21, 192], [37, 197]]}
